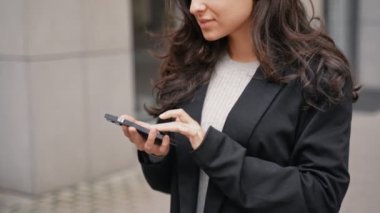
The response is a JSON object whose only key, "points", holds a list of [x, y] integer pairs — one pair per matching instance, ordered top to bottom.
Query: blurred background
{"points": [[63, 64]]}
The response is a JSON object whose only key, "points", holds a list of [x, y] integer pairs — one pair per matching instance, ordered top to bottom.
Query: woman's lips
{"points": [[204, 23]]}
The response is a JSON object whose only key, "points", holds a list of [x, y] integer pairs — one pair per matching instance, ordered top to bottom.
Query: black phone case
{"points": [[140, 129]]}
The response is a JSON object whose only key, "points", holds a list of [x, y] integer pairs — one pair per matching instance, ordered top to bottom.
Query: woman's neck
{"points": [[240, 45]]}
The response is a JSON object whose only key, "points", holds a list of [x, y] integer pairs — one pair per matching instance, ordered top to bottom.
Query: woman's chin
{"points": [[211, 37]]}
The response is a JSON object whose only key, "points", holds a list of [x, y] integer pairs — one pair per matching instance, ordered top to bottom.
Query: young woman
{"points": [[259, 104]]}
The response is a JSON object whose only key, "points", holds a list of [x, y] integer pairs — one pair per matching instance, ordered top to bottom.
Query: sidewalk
{"points": [[128, 191], [125, 192]]}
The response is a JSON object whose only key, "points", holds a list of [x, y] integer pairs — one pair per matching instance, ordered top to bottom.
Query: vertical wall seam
{"points": [[26, 36]]}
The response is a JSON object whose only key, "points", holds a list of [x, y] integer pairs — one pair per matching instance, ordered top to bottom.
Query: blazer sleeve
{"points": [[158, 174], [315, 182]]}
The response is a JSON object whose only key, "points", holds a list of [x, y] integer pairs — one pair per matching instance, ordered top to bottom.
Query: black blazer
{"points": [[275, 154]]}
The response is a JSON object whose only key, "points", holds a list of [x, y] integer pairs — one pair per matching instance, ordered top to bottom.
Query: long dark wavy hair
{"points": [[284, 38]]}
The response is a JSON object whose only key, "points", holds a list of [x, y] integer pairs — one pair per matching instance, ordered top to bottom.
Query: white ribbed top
{"points": [[226, 85]]}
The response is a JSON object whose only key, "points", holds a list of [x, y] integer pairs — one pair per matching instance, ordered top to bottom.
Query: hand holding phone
{"points": [[140, 129]]}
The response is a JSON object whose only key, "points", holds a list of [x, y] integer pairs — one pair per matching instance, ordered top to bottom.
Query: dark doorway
{"points": [[148, 18]]}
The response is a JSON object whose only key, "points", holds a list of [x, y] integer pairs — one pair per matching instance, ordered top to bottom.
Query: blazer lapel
{"points": [[250, 107], [194, 108], [241, 122], [188, 173]]}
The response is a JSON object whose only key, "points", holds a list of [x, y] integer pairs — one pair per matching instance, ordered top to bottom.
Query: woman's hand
{"points": [[183, 124], [148, 145]]}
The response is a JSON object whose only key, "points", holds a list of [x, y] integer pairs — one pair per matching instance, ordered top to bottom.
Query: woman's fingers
{"points": [[178, 114], [143, 124], [167, 127], [125, 128], [184, 129], [126, 131], [192, 131], [136, 138], [147, 144], [165, 146], [151, 148]]}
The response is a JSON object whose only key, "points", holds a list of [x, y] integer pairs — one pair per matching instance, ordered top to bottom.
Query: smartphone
{"points": [[140, 129]]}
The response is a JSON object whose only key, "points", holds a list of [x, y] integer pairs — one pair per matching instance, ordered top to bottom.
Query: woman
{"points": [[259, 104]]}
